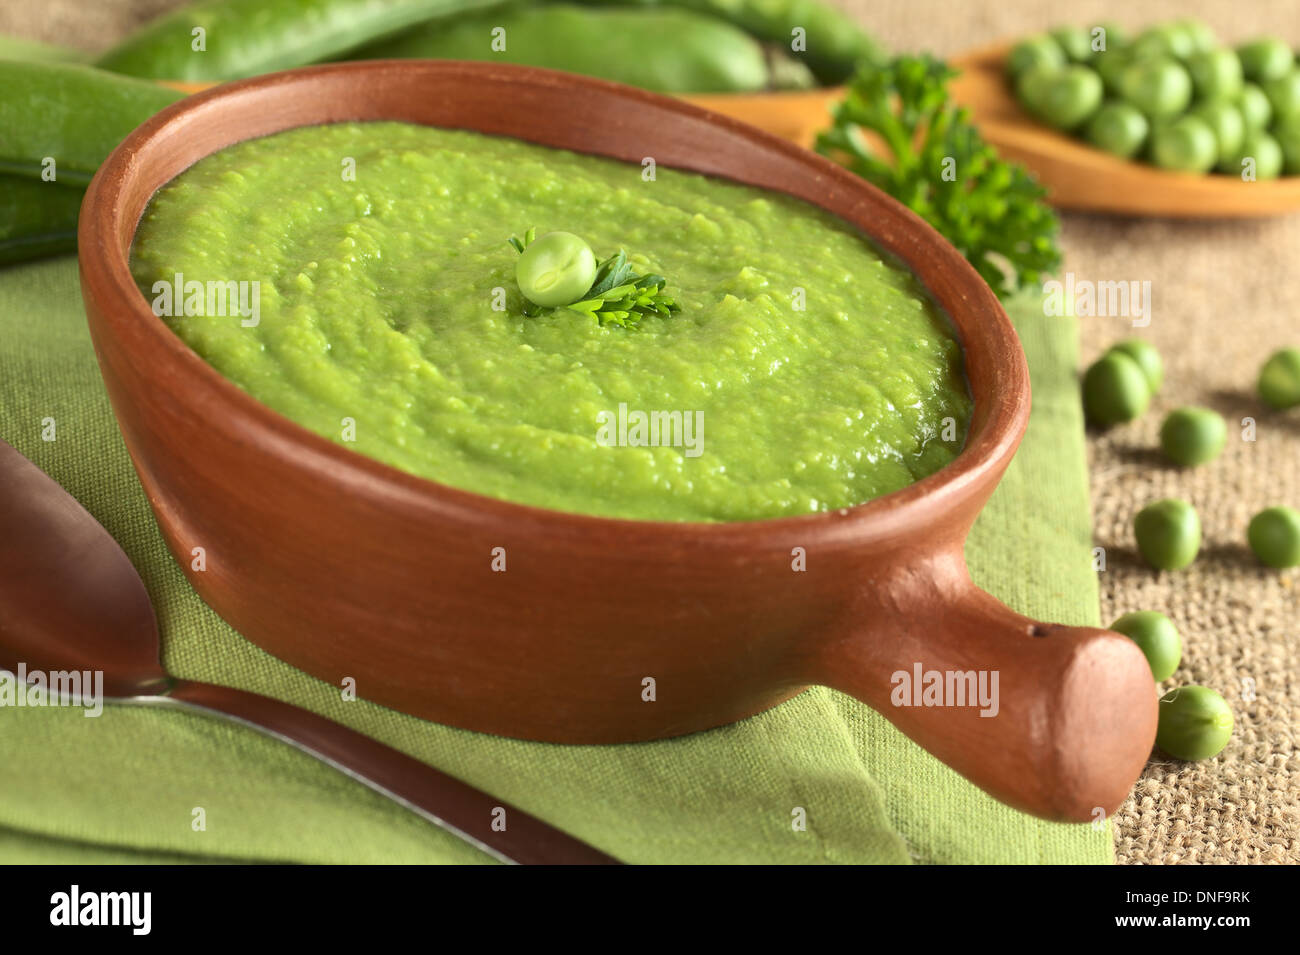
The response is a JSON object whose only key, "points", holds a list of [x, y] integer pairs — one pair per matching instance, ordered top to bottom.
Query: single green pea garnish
{"points": [[558, 266]]}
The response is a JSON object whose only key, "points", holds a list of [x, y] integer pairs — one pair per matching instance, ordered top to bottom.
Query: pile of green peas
{"points": [[1172, 95], [1118, 387], [1195, 722]]}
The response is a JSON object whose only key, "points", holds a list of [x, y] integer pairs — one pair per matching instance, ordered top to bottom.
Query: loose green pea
{"points": [[1199, 34], [1165, 39], [1076, 43], [1148, 45], [1035, 51], [1266, 58], [1110, 66], [1216, 74], [1031, 84], [1160, 87], [1283, 94], [1065, 98], [1256, 110], [1224, 120], [1119, 128], [1287, 134], [1187, 144], [1263, 152], [556, 269], [1148, 359], [1279, 379], [1115, 390], [1192, 436], [1168, 534], [1274, 536], [1157, 637], [1195, 723]]}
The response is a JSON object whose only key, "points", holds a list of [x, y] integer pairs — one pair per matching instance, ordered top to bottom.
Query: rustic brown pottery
{"points": [[348, 568]]}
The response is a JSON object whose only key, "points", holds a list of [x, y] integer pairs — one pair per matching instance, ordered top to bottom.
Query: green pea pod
{"points": [[231, 39], [833, 43], [29, 51], [671, 51], [73, 115], [36, 218]]}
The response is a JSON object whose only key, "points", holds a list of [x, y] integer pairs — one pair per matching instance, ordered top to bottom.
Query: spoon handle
{"points": [[441, 799]]}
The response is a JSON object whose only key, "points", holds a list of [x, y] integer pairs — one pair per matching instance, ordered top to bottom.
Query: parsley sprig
{"points": [[936, 163], [618, 295]]}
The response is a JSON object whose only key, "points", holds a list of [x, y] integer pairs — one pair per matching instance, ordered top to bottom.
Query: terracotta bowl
{"points": [[345, 567]]}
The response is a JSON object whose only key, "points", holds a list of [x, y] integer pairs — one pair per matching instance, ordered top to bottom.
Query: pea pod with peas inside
{"points": [[232, 39], [833, 44], [667, 50]]}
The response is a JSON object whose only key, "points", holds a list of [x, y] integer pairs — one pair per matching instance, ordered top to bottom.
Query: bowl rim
{"points": [[999, 415]]}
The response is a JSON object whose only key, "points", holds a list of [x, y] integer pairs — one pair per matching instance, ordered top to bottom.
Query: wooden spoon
{"points": [[1076, 175], [70, 600]]}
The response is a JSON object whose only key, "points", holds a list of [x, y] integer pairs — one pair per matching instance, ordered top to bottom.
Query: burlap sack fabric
{"points": [[1224, 297]]}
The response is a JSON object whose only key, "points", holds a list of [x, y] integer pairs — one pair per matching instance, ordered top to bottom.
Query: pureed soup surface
{"points": [[807, 373]]}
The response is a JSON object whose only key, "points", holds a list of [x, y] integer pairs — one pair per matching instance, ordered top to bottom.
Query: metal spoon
{"points": [[70, 600]]}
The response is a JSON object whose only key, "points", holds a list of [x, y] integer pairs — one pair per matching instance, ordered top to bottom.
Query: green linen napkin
{"points": [[123, 787]]}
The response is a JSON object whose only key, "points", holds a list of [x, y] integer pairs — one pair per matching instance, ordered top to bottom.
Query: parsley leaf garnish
{"points": [[936, 163]]}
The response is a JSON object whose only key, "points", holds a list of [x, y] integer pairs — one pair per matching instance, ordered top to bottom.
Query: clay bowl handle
{"points": [[1071, 712]]}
